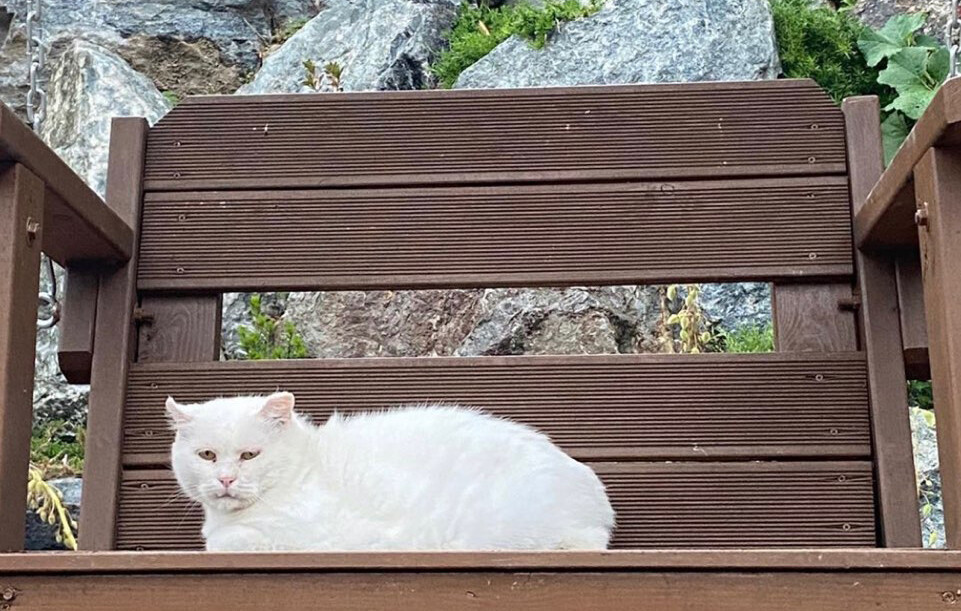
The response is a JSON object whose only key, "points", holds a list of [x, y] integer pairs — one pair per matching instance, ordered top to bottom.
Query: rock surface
{"points": [[641, 41], [378, 44], [88, 85], [735, 305], [925, 441]]}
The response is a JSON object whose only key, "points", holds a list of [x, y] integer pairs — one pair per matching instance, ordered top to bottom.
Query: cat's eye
{"points": [[249, 454], [207, 455]]}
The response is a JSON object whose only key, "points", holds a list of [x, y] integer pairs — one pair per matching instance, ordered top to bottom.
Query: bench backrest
{"points": [[546, 187]]}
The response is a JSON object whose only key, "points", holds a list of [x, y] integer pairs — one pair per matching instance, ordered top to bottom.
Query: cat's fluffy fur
{"points": [[414, 478]]}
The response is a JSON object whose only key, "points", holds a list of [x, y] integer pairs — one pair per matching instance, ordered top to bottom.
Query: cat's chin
{"points": [[228, 504]]}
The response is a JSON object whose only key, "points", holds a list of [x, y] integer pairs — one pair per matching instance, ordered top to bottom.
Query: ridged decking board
{"points": [[497, 136], [618, 233], [597, 407], [708, 505]]}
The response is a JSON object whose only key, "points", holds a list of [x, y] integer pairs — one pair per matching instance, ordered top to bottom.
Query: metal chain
{"points": [[954, 38], [36, 97], [36, 111]]}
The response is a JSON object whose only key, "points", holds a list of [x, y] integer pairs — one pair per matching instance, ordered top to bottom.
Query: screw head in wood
{"points": [[921, 216], [33, 229], [8, 594]]}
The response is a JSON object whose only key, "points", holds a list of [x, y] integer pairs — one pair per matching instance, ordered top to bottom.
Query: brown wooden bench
{"points": [[807, 447]]}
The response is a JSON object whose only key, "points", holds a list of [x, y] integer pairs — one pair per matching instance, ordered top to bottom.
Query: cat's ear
{"points": [[278, 408], [176, 414]]}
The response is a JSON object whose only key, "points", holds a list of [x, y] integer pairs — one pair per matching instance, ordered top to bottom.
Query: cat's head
{"points": [[228, 452]]}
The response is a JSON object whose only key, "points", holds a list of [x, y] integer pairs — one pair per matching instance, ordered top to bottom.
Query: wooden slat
{"points": [[497, 136], [938, 188], [21, 205], [887, 218], [78, 224], [497, 236], [810, 318], [78, 323], [182, 329], [914, 333], [881, 339], [116, 345], [596, 407], [658, 505], [825, 560], [547, 590]]}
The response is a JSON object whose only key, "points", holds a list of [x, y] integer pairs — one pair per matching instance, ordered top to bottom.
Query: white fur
{"points": [[415, 478]]}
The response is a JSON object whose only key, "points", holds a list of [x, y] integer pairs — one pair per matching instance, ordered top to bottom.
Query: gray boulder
{"points": [[641, 41], [379, 45], [88, 85], [735, 305], [926, 465]]}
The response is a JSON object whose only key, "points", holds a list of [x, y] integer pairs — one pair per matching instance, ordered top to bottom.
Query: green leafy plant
{"points": [[289, 29], [478, 29], [915, 66], [329, 76], [172, 98], [270, 338], [749, 338], [920, 395], [56, 449]]}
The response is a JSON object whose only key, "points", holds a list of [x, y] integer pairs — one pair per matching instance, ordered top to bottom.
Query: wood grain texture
{"points": [[497, 136], [938, 187], [21, 203], [887, 217], [78, 225], [544, 235], [809, 318], [78, 322], [183, 329], [115, 330], [914, 333], [881, 339], [596, 407], [658, 505], [866, 560], [525, 591]]}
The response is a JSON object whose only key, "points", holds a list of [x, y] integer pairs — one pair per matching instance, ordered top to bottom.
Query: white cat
{"points": [[416, 478]]}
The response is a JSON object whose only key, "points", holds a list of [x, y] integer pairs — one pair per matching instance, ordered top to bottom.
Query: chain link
{"points": [[954, 38], [36, 97]]}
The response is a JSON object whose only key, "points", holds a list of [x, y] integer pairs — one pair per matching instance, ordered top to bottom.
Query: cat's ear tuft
{"points": [[278, 408], [176, 414]]}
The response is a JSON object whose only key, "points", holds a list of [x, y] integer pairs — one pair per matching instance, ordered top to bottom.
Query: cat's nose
{"points": [[226, 480]]}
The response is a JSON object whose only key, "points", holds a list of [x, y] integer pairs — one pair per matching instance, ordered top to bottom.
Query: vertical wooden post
{"points": [[937, 187], [21, 235], [809, 318], [78, 323], [914, 332], [881, 339], [116, 344]]}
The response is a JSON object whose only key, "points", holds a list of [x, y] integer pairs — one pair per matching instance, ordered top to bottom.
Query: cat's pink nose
{"points": [[226, 480]]}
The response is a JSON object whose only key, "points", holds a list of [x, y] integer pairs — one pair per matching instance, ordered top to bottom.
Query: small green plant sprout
{"points": [[915, 67], [328, 79], [172, 98], [695, 335], [270, 338], [749, 339], [47, 501]]}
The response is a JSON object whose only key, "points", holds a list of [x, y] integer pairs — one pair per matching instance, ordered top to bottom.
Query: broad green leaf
{"points": [[901, 28], [896, 34], [923, 40], [876, 47], [938, 66], [905, 70], [912, 103], [894, 130]]}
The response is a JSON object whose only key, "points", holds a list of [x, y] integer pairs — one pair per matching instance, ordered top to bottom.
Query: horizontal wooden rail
{"points": [[887, 218], [78, 226], [811, 580]]}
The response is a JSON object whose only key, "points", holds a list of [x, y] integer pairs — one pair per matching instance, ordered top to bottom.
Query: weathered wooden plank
{"points": [[660, 132], [938, 187], [887, 218], [78, 224], [21, 235], [538, 235], [814, 318], [78, 323], [179, 329], [115, 330], [914, 333], [881, 340], [596, 407], [658, 505], [820, 560], [527, 591]]}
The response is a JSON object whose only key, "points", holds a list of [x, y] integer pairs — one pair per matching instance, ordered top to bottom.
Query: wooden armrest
{"points": [[887, 218], [77, 225]]}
